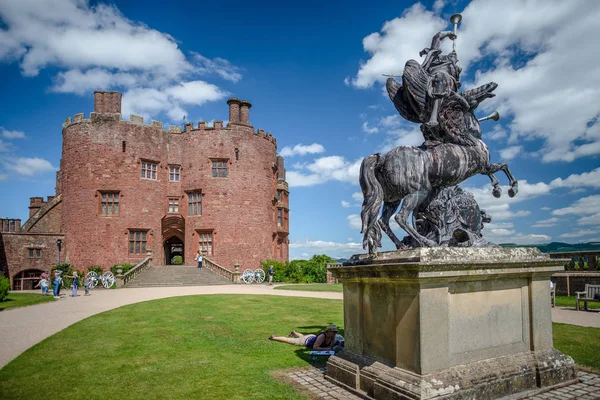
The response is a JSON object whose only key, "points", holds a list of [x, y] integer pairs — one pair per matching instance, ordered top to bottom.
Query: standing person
{"points": [[198, 258], [271, 273], [44, 284], [56, 284], [75, 284], [86, 286]]}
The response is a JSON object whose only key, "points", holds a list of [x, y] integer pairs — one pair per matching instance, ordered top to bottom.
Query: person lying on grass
{"points": [[328, 340]]}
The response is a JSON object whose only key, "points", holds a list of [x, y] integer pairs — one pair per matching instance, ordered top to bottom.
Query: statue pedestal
{"points": [[451, 323]]}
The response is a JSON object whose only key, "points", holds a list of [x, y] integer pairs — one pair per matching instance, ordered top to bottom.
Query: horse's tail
{"points": [[373, 198]]}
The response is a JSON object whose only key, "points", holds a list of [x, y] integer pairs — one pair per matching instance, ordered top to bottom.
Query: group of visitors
{"points": [[57, 283]]}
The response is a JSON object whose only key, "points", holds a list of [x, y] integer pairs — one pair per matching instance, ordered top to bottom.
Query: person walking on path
{"points": [[198, 258], [271, 273], [44, 284], [56, 284], [75, 284], [86, 286], [321, 341]]}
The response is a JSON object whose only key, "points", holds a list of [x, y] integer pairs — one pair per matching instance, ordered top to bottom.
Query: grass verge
{"points": [[313, 287], [14, 300], [569, 301], [195, 347], [207, 347]]}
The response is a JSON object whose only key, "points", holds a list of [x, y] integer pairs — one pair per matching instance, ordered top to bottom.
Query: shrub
{"points": [[177, 260], [126, 267], [95, 268], [278, 269], [66, 270], [300, 271], [4, 287]]}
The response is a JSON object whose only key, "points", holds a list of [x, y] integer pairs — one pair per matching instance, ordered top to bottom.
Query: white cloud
{"points": [[438, 5], [525, 45], [95, 47], [217, 66], [391, 121], [369, 130], [497, 133], [12, 134], [5, 146], [301, 150], [510, 152], [28, 166], [325, 169], [590, 179], [358, 196], [345, 204], [584, 206], [546, 208], [354, 221], [545, 223], [579, 233], [320, 246]]}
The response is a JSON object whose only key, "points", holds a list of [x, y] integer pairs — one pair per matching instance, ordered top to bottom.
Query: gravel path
{"points": [[21, 328]]}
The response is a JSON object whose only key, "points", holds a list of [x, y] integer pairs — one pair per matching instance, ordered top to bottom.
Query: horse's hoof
{"points": [[497, 192], [512, 192]]}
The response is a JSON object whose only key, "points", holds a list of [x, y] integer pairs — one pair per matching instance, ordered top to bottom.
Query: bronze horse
{"points": [[414, 176]]}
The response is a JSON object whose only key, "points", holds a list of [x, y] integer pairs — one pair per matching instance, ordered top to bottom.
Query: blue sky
{"points": [[314, 75]]}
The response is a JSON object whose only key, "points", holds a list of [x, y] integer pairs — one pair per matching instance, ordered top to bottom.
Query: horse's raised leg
{"points": [[514, 185], [496, 191], [409, 204], [384, 221]]}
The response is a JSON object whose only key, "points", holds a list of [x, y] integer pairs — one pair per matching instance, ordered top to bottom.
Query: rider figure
{"points": [[444, 74]]}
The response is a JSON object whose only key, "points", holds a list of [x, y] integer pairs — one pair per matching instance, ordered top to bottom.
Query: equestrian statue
{"points": [[421, 178]]}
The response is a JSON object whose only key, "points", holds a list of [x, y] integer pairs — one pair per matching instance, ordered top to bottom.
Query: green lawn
{"points": [[313, 287], [23, 299], [569, 301], [581, 343], [195, 347], [203, 347]]}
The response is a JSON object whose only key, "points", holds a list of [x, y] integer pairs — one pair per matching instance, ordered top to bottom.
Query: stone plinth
{"points": [[451, 323]]}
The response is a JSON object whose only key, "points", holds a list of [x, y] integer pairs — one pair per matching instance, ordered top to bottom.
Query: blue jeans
{"points": [[199, 264], [55, 286], [74, 290]]}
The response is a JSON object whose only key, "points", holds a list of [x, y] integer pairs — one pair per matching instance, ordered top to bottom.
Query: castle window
{"points": [[219, 169], [149, 170], [174, 174], [279, 195], [109, 203], [195, 203], [173, 205], [279, 217], [137, 242], [205, 242], [35, 253]]}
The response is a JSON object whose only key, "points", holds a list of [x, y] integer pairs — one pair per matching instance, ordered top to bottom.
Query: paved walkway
{"points": [[568, 315], [21, 328], [312, 380]]}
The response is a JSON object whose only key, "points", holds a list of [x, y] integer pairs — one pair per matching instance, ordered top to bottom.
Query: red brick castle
{"points": [[126, 191]]}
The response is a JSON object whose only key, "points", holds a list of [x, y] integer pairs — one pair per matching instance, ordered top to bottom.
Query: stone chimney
{"points": [[107, 102], [234, 110], [245, 112], [280, 169], [35, 203]]}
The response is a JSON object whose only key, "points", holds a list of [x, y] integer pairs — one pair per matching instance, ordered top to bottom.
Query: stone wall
{"points": [[16, 249], [566, 284]]}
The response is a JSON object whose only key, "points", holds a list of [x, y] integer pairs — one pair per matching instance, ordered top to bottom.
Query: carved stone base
{"points": [[449, 323], [514, 376]]}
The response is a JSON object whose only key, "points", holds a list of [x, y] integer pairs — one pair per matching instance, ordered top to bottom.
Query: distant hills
{"points": [[558, 247]]}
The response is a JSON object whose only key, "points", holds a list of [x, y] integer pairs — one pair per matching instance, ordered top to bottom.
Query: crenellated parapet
{"points": [[107, 108]]}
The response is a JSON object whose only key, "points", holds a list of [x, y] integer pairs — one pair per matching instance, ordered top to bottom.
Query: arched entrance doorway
{"points": [[173, 248], [26, 280]]}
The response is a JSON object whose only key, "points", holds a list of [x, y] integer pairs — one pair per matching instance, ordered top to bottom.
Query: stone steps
{"points": [[176, 275]]}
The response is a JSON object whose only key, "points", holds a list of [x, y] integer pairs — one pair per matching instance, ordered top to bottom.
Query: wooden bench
{"points": [[587, 295]]}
